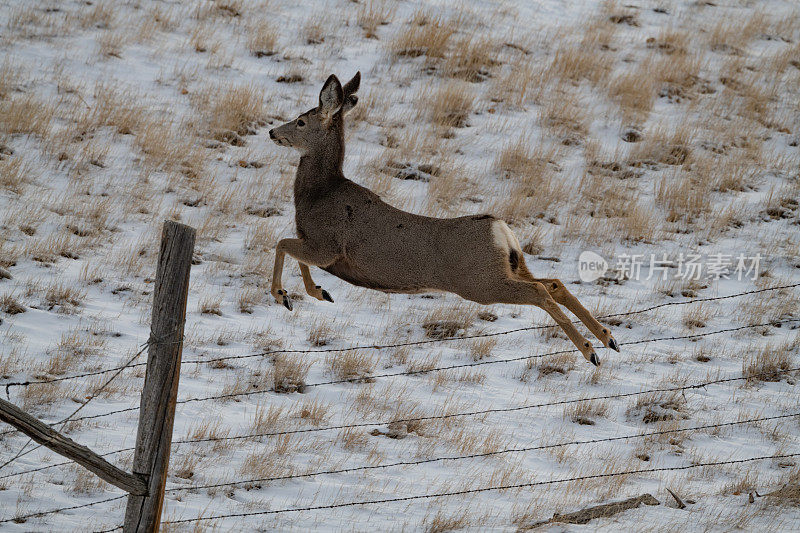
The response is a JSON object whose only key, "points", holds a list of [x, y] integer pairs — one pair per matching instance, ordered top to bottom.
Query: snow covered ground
{"points": [[650, 129]]}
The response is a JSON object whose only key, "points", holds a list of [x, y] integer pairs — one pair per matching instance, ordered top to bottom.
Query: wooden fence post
{"points": [[156, 416]]}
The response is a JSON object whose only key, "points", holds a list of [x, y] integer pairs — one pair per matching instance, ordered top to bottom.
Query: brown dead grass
{"points": [[372, 14], [425, 34], [262, 39], [472, 59], [449, 106], [232, 111], [26, 114], [769, 362], [289, 373]]}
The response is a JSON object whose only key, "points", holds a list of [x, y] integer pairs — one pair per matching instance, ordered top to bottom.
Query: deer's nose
{"points": [[271, 134]]}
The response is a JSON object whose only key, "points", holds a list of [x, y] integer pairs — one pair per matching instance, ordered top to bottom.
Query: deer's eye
{"points": [[300, 123]]}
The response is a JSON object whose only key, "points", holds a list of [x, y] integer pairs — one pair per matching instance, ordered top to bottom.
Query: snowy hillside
{"points": [[662, 136]]}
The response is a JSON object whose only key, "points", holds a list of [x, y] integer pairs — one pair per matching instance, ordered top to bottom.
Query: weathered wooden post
{"points": [[157, 413]]}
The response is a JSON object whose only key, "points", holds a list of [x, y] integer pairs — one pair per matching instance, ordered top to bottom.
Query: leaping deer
{"points": [[348, 231]]}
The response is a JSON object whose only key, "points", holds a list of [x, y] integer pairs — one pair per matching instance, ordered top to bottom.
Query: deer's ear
{"points": [[351, 86], [331, 96], [349, 103]]}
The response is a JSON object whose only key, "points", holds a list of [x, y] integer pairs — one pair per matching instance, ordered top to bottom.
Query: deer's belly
{"points": [[346, 271]]}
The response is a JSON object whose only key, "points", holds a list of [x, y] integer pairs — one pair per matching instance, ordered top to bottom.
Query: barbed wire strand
{"points": [[482, 335], [401, 344], [464, 365], [439, 369], [501, 409], [445, 416], [482, 454], [63, 463], [485, 489], [422, 496], [22, 518]]}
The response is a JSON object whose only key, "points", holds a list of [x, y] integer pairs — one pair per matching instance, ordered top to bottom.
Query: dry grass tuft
{"points": [[373, 14], [314, 31], [425, 34], [262, 39], [669, 41], [472, 59], [579, 61], [635, 91], [449, 106], [232, 111], [26, 114], [565, 117], [167, 146], [16, 174], [62, 298], [10, 305], [210, 305], [698, 316], [446, 322], [321, 334], [482, 348], [770, 362], [556, 364], [351, 365], [289, 373], [659, 407], [313, 411], [584, 413], [266, 419], [442, 522]]}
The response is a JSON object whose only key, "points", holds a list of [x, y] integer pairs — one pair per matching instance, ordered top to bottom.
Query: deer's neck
{"points": [[318, 170]]}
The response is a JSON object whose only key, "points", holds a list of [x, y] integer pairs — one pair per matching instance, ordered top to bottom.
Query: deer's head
{"points": [[323, 124]]}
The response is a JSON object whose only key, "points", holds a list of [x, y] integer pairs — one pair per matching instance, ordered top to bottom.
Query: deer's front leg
{"points": [[305, 255]]}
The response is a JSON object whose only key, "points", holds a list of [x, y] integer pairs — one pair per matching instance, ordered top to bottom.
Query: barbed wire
{"points": [[483, 335], [400, 344], [442, 368], [118, 370], [360, 379], [501, 409], [445, 416], [63, 421], [482, 454], [63, 463], [485, 489], [416, 497], [22, 518]]}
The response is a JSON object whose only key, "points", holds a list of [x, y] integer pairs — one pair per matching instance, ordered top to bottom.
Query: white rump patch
{"points": [[504, 238]]}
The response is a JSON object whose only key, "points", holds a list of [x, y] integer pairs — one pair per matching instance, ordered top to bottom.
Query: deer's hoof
{"points": [[326, 296], [283, 298], [613, 344], [594, 359]]}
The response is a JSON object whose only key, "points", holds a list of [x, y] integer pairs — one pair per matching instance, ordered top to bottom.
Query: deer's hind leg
{"points": [[305, 255], [312, 288], [515, 291], [561, 295]]}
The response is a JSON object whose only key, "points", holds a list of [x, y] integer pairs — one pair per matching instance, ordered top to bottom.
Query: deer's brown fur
{"points": [[347, 230]]}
